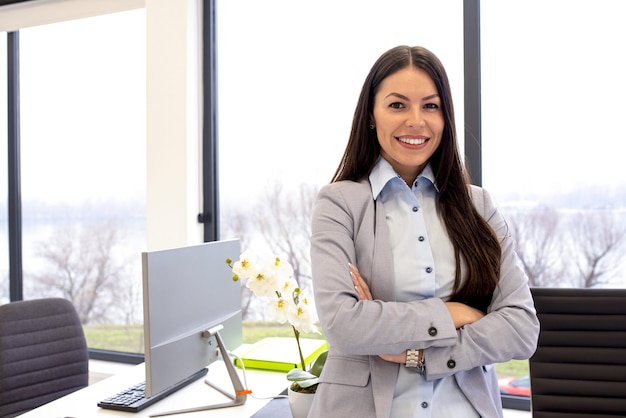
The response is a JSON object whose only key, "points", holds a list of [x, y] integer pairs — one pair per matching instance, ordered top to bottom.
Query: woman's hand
{"points": [[362, 289], [363, 292], [463, 314], [394, 358]]}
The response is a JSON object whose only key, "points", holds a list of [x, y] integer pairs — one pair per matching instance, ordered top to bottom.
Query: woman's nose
{"points": [[415, 119]]}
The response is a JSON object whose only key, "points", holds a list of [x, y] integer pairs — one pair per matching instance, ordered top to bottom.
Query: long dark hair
{"points": [[474, 241]]}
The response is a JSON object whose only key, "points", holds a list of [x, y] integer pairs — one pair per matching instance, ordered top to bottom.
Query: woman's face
{"points": [[409, 120]]}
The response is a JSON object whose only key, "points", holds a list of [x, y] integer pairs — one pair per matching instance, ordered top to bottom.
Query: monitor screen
{"points": [[186, 291]]}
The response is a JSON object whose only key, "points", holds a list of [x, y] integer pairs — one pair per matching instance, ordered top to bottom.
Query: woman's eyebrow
{"points": [[398, 95], [432, 96], [403, 97]]}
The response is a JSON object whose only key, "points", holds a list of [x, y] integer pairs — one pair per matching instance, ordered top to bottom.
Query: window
{"points": [[552, 89], [287, 92], [552, 106], [83, 170], [154, 177]]}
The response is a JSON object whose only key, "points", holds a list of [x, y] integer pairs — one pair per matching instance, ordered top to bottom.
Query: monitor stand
{"points": [[240, 396]]}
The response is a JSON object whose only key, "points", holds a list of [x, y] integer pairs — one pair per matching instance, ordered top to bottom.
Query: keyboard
{"points": [[133, 399]]}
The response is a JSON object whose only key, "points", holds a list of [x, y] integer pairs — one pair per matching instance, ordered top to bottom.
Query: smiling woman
{"points": [[83, 96], [552, 102], [408, 121]]}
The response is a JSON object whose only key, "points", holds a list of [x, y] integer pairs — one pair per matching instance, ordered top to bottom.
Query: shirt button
{"points": [[415, 184], [415, 208], [421, 238], [429, 269], [432, 331], [451, 364], [424, 405]]}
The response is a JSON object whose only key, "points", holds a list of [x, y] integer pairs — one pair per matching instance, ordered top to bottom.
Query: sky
{"points": [[552, 92], [82, 109]]}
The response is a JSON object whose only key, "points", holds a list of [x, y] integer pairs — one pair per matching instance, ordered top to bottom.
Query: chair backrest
{"points": [[43, 354], [579, 368]]}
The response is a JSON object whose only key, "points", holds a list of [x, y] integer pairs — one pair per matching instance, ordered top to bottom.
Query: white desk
{"points": [[83, 403]]}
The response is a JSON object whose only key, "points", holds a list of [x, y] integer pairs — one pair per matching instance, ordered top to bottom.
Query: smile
{"points": [[412, 141]]}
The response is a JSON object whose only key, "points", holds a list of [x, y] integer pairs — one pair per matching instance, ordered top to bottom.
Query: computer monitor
{"points": [[187, 291]]}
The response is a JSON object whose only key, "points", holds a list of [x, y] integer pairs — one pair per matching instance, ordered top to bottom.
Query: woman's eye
{"points": [[396, 105], [432, 106]]}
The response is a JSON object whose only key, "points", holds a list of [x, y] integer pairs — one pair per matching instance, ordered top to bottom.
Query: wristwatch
{"points": [[415, 358]]}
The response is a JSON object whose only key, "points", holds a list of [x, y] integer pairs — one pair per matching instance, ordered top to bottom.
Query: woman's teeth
{"points": [[412, 141]]}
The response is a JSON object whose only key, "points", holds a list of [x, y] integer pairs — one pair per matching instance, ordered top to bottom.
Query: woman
{"points": [[415, 277]]}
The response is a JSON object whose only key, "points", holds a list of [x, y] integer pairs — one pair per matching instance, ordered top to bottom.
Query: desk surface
{"points": [[83, 403]]}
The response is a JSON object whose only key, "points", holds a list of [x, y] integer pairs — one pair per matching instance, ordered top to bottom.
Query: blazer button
{"points": [[432, 331], [451, 364]]}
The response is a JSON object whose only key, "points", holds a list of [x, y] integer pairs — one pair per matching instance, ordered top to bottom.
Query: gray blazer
{"points": [[349, 226]]}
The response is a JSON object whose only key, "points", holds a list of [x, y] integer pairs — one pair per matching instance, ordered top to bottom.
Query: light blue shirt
{"points": [[423, 259]]}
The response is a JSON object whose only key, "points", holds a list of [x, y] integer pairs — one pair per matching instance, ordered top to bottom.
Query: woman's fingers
{"points": [[362, 290]]}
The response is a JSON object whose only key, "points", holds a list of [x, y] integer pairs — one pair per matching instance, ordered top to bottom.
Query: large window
{"points": [[287, 86], [286, 97], [552, 101], [110, 141], [83, 170]]}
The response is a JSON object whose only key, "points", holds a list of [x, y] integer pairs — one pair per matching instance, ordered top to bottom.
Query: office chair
{"points": [[43, 354], [579, 368]]}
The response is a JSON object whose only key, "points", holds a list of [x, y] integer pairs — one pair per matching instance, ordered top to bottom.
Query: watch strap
{"points": [[412, 357], [415, 358]]}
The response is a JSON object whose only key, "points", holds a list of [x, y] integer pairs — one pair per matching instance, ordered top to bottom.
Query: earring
{"points": [[372, 126]]}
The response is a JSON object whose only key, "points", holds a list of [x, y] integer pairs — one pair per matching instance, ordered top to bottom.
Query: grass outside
{"points": [[122, 338], [129, 339]]}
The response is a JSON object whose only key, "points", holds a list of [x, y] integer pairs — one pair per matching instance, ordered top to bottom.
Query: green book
{"points": [[281, 353]]}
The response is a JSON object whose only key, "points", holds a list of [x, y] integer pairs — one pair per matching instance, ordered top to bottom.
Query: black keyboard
{"points": [[133, 399]]}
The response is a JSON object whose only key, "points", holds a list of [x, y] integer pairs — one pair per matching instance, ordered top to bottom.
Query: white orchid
{"points": [[244, 268], [273, 281], [263, 284], [278, 309], [302, 316]]}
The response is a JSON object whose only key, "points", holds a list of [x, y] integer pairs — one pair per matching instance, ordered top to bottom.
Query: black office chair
{"points": [[43, 354], [579, 368]]}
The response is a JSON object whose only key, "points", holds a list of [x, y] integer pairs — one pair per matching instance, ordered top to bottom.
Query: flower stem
{"points": [[297, 334]]}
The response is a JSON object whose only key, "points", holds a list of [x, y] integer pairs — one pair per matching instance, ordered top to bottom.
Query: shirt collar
{"points": [[383, 173]]}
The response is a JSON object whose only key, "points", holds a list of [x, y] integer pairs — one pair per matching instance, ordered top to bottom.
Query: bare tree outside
{"points": [[283, 219], [237, 224], [279, 225], [598, 238], [538, 245], [579, 249], [81, 266]]}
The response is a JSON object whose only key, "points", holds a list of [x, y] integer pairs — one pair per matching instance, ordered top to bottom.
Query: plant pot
{"points": [[300, 403]]}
